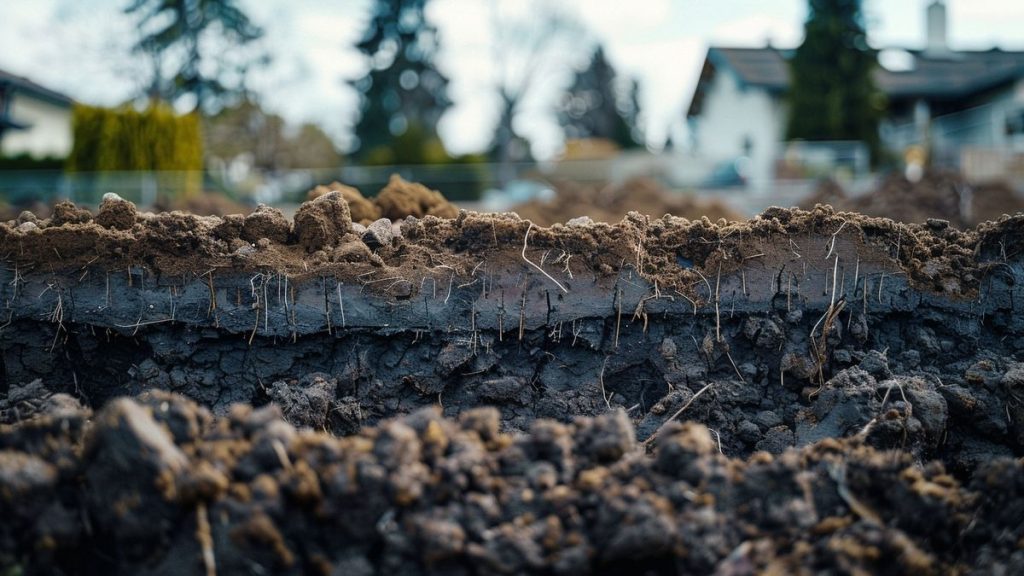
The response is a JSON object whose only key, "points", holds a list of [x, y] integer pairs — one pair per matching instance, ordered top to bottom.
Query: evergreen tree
{"points": [[196, 34], [404, 91], [832, 93], [591, 108]]}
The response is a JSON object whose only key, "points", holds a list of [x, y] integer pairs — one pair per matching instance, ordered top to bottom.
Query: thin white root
{"points": [[528, 261], [600, 379], [677, 413], [205, 538]]}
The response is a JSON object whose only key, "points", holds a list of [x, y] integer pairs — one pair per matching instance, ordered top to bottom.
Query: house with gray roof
{"points": [[948, 101], [34, 120]]}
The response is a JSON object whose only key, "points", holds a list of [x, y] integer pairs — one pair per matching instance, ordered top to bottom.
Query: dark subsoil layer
{"points": [[855, 388], [157, 485]]}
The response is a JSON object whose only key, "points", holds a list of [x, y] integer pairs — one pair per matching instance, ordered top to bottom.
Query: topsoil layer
{"points": [[324, 240], [855, 388]]}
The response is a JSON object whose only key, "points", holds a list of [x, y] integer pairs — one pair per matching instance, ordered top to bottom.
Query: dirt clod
{"points": [[65, 212], [115, 212], [323, 221], [268, 222]]}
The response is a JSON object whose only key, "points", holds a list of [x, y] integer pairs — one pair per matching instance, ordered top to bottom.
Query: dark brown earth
{"points": [[939, 194], [395, 201], [612, 202], [325, 238], [806, 391], [159, 485]]}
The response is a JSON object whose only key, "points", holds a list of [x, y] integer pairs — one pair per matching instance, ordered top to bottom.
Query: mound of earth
{"points": [[939, 194], [395, 201], [611, 203]]}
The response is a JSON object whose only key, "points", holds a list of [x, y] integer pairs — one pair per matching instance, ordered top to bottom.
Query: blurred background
{"points": [[911, 109]]}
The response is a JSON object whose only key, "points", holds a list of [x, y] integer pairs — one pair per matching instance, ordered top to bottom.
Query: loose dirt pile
{"points": [[939, 194], [397, 200], [611, 203], [806, 390], [159, 485]]}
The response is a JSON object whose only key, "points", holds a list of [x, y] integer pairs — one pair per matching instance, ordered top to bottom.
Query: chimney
{"points": [[936, 44]]}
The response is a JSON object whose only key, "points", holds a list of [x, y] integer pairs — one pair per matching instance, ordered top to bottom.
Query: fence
{"points": [[460, 182]]}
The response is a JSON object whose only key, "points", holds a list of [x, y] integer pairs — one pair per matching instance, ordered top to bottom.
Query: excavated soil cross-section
{"points": [[886, 356]]}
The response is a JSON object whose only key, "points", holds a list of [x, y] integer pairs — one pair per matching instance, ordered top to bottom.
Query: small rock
{"points": [[580, 222], [938, 223], [25, 227], [378, 234], [246, 251], [668, 349], [506, 389]]}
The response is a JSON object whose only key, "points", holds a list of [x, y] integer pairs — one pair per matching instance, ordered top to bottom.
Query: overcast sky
{"points": [[79, 47]]}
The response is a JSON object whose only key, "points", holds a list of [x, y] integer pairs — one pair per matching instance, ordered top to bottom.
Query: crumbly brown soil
{"points": [[939, 194], [397, 200], [611, 203], [932, 255], [159, 485]]}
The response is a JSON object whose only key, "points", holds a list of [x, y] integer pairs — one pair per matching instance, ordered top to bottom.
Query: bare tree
{"points": [[530, 48]]}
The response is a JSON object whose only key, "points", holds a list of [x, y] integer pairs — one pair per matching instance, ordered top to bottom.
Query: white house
{"points": [[950, 101], [34, 120]]}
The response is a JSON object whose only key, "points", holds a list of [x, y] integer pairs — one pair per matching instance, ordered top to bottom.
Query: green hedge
{"points": [[128, 140]]}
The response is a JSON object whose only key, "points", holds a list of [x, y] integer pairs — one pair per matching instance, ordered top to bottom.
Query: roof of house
{"points": [[949, 76], [24, 85]]}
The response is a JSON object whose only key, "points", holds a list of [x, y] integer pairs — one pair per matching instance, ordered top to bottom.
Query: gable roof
{"points": [[950, 76], [9, 81]]}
